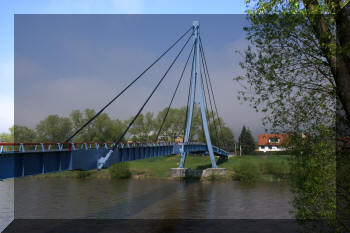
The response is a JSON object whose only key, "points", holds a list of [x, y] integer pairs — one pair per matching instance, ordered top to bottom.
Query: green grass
{"points": [[160, 167], [269, 168]]}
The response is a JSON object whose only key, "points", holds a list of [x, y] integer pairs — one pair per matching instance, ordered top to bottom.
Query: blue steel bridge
{"points": [[22, 159]]}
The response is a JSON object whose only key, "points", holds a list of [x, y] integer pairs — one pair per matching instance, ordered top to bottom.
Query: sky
{"points": [[66, 62]]}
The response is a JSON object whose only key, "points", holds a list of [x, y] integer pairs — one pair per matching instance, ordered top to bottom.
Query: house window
{"points": [[274, 140], [262, 147], [270, 147]]}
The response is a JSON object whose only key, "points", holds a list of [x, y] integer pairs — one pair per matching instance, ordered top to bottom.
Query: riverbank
{"points": [[245, 168]]}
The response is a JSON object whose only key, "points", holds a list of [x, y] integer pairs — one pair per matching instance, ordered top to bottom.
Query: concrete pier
{"points": [[214, 171], [178, 172], [187, 172]]}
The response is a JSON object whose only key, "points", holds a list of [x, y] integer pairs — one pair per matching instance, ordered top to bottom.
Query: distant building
{"points": [[271, 142]]}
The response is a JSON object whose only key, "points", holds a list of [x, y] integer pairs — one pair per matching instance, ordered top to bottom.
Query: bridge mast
{"points": [[197, 80]]}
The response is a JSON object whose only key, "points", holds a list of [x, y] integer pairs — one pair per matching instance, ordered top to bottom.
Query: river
{"points": [[59, 198]]}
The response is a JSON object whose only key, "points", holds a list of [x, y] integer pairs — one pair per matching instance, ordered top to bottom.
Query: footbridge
{"points": [[55, 157], [22, 159]]}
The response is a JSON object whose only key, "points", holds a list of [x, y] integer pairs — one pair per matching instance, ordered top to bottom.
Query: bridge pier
{"points": [[178, 172], [187, 172], [214, 172]]}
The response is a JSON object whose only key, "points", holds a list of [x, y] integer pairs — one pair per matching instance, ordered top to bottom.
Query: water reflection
{"points": [[150, 199], [6, 202]]}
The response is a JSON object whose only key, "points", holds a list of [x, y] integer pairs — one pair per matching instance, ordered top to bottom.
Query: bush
{"points": [[279, 169], [119, 170], [247, 171], [83, 174]]}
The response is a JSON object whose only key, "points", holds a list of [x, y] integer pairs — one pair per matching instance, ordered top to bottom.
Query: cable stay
{"points": [[129, 85], [211, 87], [189, 92], [172, 99], [206, 104], [103, 160]]}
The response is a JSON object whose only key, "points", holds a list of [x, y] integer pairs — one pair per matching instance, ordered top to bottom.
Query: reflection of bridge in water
{"points": [[50, 157]]}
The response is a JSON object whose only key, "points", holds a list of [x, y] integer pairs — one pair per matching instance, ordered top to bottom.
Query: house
{"points": [[271, 142]]}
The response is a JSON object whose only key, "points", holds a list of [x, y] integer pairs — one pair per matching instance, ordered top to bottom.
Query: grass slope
{"points": [[273, 167]]}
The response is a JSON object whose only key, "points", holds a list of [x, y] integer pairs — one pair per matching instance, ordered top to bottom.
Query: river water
{"points": [[67, 198], [150, 199], [6, 202]]}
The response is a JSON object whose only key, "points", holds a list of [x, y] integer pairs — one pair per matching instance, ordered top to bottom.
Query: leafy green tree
{"points": [[328, 25], [296, 68], [174, 125], [144, 128], [54, 129], [102, 129], [19, 134], [23, 134], [220, 135], [6, 137], [246, 141], [228, 142]]}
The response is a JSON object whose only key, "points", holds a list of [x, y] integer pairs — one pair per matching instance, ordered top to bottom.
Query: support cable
{"points": [[130, 84], [211, 87], [189, 93], [149, 97], [209, 97], [172, 99], [206, 107]]}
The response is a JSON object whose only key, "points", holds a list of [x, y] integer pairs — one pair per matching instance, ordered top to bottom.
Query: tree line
{"points": [[55, 128]]}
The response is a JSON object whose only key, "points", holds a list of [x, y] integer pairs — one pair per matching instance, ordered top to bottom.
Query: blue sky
{"points": [[96, 43]]}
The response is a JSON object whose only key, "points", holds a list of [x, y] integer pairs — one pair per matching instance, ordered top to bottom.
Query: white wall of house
{"points": [[270, 148]]}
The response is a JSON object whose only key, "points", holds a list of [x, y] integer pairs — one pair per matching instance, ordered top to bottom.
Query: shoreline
{"points": [[258, 169]]}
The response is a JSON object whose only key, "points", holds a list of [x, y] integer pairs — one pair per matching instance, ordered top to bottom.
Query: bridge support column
{"points": [[196, 79]]}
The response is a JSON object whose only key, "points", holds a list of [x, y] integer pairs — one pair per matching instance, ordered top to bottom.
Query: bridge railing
{"points": [[54, 146]]}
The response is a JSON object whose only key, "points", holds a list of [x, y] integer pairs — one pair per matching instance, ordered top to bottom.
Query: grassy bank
{"points": [[245, 168]]}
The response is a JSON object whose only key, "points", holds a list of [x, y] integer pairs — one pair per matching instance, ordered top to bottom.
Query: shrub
{"points": [[279, 169], [120, 170], [247, 171], [83, 174]]}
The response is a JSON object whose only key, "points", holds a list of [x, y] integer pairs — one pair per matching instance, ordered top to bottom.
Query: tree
{"points": [[328, 23], [296, 68], [174, 124], [54, 129], [102, 129], [19, 134], [220, 135], [6, 137], [246, 141], [228, 142]]}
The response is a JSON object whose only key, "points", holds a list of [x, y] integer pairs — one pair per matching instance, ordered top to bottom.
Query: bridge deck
{"points": [[23, 163]]}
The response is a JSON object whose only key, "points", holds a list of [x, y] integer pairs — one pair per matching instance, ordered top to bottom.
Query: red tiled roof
{"points": [[263, 139]]}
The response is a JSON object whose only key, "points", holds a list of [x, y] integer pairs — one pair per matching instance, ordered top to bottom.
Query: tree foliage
{"points": [[296, 70], [54, 129], [104, 129], [246, 141]]}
